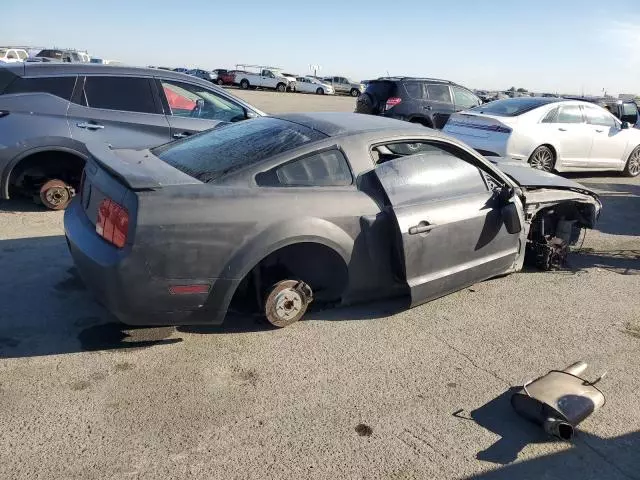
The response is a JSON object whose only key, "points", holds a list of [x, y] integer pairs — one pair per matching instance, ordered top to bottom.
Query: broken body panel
{"points": [[380, 237]]}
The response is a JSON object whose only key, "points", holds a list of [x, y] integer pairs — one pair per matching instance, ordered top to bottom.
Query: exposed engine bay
{"points": [[554, 229]]}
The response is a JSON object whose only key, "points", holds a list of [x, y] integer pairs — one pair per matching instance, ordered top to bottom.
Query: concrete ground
{"points": [[364, 392]]}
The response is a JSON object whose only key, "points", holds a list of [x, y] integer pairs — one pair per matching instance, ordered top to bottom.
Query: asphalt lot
{"points": [[363, 392]]}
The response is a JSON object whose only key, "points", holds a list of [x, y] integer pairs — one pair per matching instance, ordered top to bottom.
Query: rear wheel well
{"points": [[30, 173], [319, 266]]}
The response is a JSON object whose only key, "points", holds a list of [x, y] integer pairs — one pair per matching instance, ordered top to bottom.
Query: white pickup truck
{"points": [[263, 77]]}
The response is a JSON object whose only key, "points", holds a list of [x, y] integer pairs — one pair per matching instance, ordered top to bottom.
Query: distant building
{"points": [[627, 96]]}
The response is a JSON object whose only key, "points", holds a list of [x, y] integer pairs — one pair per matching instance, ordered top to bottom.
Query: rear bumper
{"points": [[119, 280]]}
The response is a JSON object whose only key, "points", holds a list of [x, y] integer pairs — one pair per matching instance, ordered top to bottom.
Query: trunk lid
{"points": [[480, 125], [138, 169]]}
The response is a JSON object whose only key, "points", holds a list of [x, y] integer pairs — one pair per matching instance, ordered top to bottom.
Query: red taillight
{"points": [[392, 102], [112, 223], [188, 289]]}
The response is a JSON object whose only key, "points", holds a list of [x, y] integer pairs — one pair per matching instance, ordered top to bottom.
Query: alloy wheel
{"points": [[542, 159]]}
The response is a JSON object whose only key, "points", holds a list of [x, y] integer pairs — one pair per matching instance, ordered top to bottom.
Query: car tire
{"points": [[220, 82], [244, 84], [281, 87], [320, 91], [354, 92], [366, 104], [543, 159], [632, 167], [56, 194], [287, 302]]}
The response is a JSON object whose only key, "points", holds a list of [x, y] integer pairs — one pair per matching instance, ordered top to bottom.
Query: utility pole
{"points": [[315, 69]]}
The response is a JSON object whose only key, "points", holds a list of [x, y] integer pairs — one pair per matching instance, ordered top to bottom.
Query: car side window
{"points": [[22, 54], [12, 55], [59, 86], [414, 90], [439, 93], [129, 94], [463, 98], [182, 99], [570, 114], [551, 116], [599, 117], [323, 169], [431, 175]]}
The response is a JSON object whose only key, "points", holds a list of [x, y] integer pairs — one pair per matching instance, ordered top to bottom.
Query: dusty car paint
{"points": [[355, 242]]}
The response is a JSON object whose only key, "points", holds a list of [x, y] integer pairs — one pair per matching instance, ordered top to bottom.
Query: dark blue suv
{"points": [[426, 101]]}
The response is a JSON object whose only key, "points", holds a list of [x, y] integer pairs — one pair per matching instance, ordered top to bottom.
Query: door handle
{"points": [[428, 107], [90, 126], [562, 129], [599, 131], [181, 135], [422, 227]]}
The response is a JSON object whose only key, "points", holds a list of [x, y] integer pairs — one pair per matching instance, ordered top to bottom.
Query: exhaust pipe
{"points": [[559, 400]]}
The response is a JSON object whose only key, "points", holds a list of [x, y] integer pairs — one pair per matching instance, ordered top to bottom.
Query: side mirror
{"points": [[250, 114], [625, 125], [511, 218]]}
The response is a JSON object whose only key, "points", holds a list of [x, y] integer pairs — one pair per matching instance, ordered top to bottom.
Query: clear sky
{"points": [[543, 45]]}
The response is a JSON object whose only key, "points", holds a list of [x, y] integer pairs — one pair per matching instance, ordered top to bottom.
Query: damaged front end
{"points": [[557, 219]]}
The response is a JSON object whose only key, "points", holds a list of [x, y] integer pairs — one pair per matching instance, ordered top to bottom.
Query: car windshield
{"points": [[511, 107], [212, 154]]}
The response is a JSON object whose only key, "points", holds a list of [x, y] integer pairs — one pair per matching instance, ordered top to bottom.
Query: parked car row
{"points": [[273, 78], [548, 133], [268, 214]]}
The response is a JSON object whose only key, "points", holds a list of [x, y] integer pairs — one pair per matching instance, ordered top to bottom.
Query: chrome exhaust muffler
{"points": [[559, 400]]}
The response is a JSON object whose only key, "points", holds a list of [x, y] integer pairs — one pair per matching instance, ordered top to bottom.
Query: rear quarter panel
{"points": [[207, 231]]}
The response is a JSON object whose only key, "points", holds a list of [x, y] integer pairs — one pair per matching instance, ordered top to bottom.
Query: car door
{"points": [[440, 103], [192, 108], [123, 111], [571, 134], [609, 140], [448, 220]]}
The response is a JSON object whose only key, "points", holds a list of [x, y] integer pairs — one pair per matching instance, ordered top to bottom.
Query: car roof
{"points": [[45, 69], [414, 79], [343, 123]]}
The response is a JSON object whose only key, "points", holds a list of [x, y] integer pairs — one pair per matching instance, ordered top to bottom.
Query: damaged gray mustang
{"points": [[270, 214]]}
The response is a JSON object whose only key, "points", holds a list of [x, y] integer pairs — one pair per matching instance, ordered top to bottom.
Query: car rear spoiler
{"points": [[138, 169]]}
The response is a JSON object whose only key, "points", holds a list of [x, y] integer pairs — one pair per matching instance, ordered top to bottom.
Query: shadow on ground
{"points": [[620, 204], [20, 205], [46, 310], [588, 456]]}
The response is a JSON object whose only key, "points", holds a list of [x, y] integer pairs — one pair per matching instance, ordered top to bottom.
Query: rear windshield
{"points": [[50, 54], [382, 89], [512, 107], [214, 153]]}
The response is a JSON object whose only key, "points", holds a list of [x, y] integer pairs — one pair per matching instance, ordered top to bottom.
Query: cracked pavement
{"points": [[369, 391]]}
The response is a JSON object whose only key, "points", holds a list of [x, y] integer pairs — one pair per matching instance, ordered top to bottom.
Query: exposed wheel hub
{"points": [[287, 302]]}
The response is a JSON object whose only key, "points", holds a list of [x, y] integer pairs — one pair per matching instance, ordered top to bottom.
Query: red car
{"points": [[226, 78]]}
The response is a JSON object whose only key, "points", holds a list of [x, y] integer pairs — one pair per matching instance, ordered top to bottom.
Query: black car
{"points": [[426, 101]]}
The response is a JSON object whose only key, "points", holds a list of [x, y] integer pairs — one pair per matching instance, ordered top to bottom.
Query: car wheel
{"points": [[220, 82], [244, 84], [281, 87], [320, 91], [355, 92], [542, 158], [632, 168], [56, 194], [287, 302]]}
